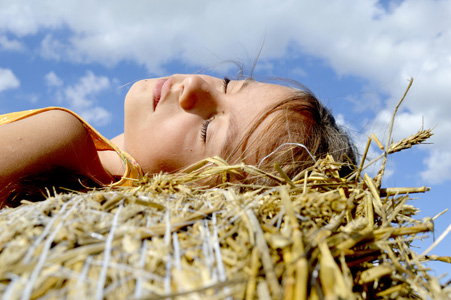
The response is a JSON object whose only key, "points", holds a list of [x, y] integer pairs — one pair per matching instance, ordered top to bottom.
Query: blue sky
{"points": [[355, 55]]}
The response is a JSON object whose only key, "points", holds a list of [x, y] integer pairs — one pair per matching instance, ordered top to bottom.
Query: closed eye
{"points": [[225, 84], [204, 129]]}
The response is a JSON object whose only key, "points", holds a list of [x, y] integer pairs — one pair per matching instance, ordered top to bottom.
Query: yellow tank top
{"points": [[132, 169]]}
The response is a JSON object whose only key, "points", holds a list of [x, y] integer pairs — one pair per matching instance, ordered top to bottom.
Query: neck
{"points": [[110, 160]]}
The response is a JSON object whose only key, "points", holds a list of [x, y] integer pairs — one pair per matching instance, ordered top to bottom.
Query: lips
{"points": [[160, 91]]}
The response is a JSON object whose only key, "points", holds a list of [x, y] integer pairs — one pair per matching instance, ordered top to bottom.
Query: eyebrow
{"points": [[246, 83]]}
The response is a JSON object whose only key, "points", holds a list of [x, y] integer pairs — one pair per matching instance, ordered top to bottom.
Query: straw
{"points": [[313, 236], [106, 257]]}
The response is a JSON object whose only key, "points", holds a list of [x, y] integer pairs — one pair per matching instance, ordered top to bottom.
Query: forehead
{"points": [[265, 92], [254, 100]]}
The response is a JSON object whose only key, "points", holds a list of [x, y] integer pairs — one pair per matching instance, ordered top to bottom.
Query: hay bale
{"points": [[316, 236]]}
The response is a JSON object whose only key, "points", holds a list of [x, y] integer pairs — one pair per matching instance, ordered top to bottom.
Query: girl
{"points": [[170, 123]]}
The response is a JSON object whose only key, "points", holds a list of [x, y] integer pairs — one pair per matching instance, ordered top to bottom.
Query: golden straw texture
{"points": [[318, 236]]}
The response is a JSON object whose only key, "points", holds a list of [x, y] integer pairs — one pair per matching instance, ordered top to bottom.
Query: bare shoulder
{"points": [[53, 118], [58, 119], [55, 126], [50, 139], [45, 141]]}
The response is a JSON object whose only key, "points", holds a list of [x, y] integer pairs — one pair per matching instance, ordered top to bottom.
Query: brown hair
{"points": [[300, 119]]}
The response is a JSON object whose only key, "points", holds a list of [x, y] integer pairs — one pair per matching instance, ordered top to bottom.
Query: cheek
{"points": [[138, 101], [176, 137], [165, 146]]}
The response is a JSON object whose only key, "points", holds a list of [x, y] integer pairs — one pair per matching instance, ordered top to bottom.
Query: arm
{"points": [[44, 141]]}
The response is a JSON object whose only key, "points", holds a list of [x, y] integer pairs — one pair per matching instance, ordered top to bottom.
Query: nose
{"points": [[196, 92]]}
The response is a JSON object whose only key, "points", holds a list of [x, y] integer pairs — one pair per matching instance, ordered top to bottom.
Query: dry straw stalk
{"points": [[314, 236], [320, 237]]}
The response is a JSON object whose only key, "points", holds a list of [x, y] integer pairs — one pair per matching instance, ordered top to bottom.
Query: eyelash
{"points": [[225, 84], [203, 131]]}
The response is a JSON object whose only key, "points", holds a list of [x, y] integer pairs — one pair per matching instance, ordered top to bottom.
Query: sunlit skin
{"points": [[170, 123], [168, 137]]}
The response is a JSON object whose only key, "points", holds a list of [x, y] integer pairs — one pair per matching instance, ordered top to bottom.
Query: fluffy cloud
{"points": [[10, 45], [385, 46], [8, 80], [52, 80], [81, 96], [96, 115], [438, 167]]}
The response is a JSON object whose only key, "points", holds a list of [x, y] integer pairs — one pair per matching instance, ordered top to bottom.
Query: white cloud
{"points": [[355, 37], [10, 45], [52, 48], [299, 71], [8, 80], [52, 80], [81, 96], [97, 115], [438, 163]]}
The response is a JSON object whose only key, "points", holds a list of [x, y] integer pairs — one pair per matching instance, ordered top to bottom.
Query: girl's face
{"points": [[173, 122]]}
